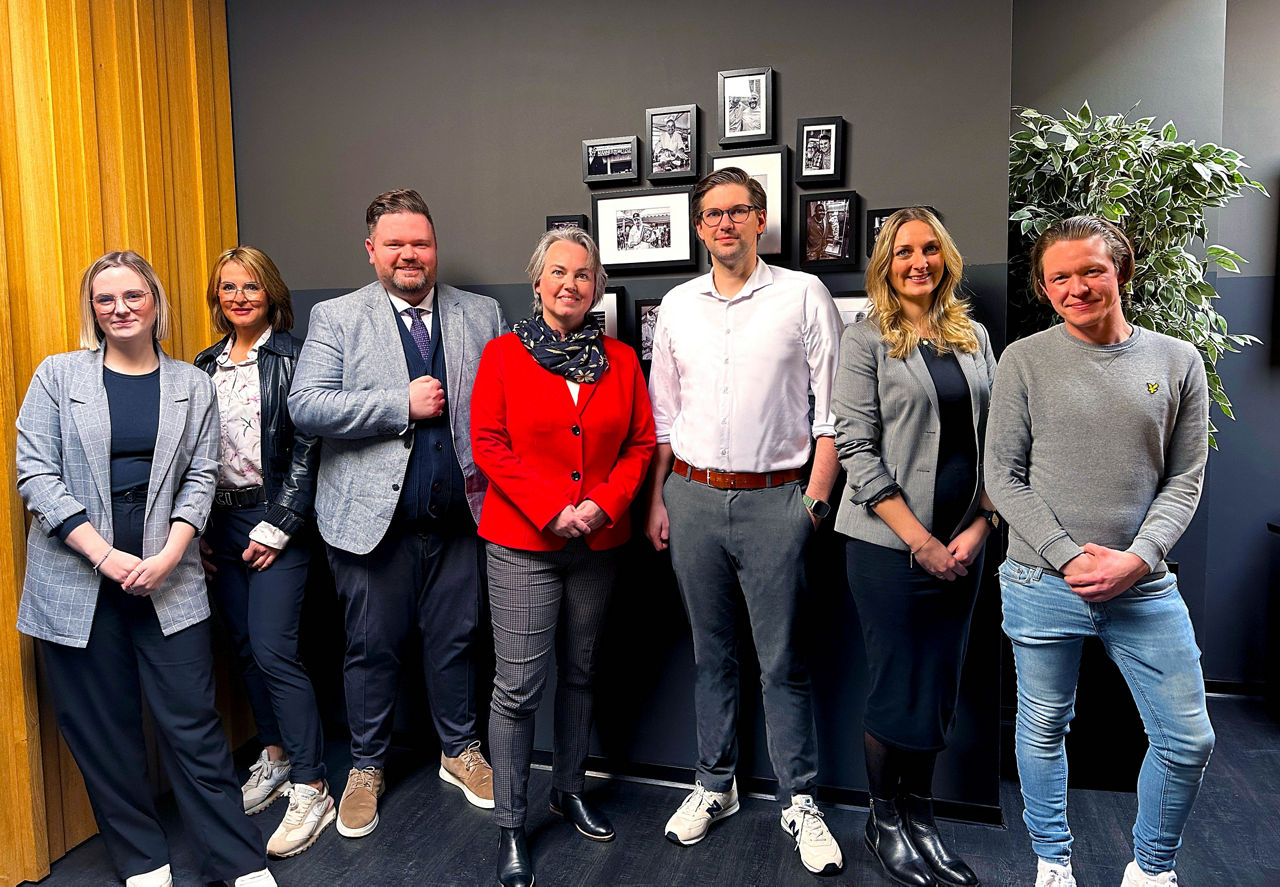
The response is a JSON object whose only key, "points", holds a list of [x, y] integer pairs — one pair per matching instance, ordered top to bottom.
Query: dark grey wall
{"points": [[482, 107]]}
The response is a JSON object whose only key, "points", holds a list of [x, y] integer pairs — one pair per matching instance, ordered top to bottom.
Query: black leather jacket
{"points": [[289, 458]]}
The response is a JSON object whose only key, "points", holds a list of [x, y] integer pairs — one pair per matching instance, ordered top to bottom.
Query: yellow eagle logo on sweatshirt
{"points": [[1153, 387]]}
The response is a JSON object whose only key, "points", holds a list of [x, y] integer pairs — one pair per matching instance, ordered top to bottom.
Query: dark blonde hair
{"points": [[1119, 247], [264, 274], [948, 316], [91, 334]]}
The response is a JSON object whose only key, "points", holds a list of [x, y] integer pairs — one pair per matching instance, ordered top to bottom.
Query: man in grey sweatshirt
{"points": [[1096, 447]]}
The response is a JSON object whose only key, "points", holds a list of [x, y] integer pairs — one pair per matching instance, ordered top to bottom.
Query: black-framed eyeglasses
{"points": [[737, 214], [251, 291], [133, 299]]}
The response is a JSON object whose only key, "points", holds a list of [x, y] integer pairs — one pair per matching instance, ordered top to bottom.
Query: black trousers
{"points": [[416, 576], [262, 609], [97, 694]]}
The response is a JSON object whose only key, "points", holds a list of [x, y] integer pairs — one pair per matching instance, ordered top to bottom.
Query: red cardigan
{"points": [[541, 451]]}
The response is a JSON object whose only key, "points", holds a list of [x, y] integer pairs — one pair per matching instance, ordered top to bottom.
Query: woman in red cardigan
{"points": [[561, 426]]}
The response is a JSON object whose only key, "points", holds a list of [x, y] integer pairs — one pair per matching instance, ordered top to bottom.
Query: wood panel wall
{"points": [[115, 133]]}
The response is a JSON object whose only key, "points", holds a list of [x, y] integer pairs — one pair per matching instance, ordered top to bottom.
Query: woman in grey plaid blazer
{"points": [[116, 458]]}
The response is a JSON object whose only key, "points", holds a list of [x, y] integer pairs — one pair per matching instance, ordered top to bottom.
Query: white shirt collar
{"points": [[762, 276], [401, 306], [224, 359]]}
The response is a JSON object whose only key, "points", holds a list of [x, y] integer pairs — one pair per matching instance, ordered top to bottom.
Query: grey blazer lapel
{"points": [[451, 330], [385, 350], [915, 363], [975, 379], [173, 415], [92, 416]]}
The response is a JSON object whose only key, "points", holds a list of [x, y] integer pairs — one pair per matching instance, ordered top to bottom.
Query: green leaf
{"points": [[1086, 113], [1202, 170], [1118, 190]]}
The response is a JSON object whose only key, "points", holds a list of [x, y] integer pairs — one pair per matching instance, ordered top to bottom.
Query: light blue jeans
{"points": [[1147, 632]]}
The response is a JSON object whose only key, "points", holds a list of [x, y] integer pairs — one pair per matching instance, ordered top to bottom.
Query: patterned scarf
{"points": [[579, 356]]}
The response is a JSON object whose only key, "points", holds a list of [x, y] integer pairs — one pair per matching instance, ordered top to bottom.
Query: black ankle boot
{"points": [[585, 817], [888, 842], [514, 867], [949, 869]]}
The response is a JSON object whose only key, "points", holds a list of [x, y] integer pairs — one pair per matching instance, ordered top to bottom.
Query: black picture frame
{"points": [[741, 119], [603, 160], [665, 162], [767, 165], [811, 168], [877, 217], [575, 220], [664, 238], [827, 238], [644, 315]]}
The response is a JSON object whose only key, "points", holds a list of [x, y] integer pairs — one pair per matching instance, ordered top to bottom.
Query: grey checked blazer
{"points": [[351, 388], [887, 427], [64, 467]]}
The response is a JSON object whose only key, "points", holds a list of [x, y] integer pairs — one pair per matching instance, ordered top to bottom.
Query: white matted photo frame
{"points": [[744, 105], [673, 142], [820, 150], [615, 159], [768, 166], [877, 217], [644, 230], [828, 231], [853, 305], [604, 316]]}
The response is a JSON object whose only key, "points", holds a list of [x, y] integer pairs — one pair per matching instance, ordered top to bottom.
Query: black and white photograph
{"points": [[745, 105], [673, 142], [819, 150], [615, 159], [768, 166], [876, 219], [578, 220], [644, 229], [829, 230], [853, 306], [604, 316], [646, 321]]}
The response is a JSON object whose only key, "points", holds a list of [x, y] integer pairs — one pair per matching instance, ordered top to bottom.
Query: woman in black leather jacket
{"points": [[255, 549]]}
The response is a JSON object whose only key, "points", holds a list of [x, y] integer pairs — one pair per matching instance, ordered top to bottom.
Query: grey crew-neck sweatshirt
{"points": [[1096, 443]]}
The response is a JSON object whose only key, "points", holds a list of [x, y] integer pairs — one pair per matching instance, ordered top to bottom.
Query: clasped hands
{"points": [[578, 520], [952, 561], [1100, 573]]}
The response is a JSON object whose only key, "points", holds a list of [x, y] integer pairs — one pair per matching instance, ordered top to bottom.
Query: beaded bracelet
{"points": [[102, 560]]}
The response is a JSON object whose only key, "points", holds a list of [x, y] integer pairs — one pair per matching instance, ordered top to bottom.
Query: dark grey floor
{"points": [[429, 837]]}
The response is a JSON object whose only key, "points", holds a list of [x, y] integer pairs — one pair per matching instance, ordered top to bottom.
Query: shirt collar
{"points": [[761, 277], [401, 306], [224, 359]]}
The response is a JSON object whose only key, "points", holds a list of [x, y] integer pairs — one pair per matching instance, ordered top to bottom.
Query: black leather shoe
{"points": [[585, 817], [888, 842], [514, 867], [949, 869]]}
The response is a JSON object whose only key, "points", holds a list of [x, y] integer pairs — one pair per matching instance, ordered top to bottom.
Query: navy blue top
{"points": [[957, 471]]}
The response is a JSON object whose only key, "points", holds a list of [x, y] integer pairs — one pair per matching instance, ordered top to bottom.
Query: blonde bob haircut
{"points": [[264, 274], [948, 316], [91, 334]]}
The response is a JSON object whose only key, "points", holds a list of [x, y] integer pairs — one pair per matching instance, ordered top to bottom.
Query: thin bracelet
{"points": [[911, 558], [102, 560]]}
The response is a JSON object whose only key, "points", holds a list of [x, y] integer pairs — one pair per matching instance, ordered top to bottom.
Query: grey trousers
{"points": [[730, 548], [539, 601]]}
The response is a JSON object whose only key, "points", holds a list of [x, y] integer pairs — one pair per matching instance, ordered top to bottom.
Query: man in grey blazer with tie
{"points": [[384, 379]]}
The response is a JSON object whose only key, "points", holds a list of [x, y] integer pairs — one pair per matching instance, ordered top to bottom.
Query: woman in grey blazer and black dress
{"points": [[910, 401], [117, 455]]}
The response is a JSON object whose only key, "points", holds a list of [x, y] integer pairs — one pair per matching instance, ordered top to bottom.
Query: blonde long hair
{"points": [[949, 313]]}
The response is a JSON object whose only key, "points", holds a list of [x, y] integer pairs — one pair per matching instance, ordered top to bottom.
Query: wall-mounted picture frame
{"points": [[744, 105], [673, 142], [820, 150], [615, 159], [768, 166], [877, 217], [577, 220], [644, 230], [828, 235], [853, 305], [604, 316], [646, 321]]}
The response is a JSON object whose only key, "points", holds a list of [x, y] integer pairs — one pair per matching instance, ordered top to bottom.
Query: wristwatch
{"points": [[817, 507], [990, 517]]}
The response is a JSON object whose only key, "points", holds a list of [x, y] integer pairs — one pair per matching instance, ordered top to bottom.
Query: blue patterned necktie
{"points": [[421, 337]]}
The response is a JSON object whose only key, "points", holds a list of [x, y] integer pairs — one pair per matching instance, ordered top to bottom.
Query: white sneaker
{"points": [[268, 780], [310, 812], [689, 824], [818, 848], [1050, 874], [160, 877], [1136, 877], [261, 878]]}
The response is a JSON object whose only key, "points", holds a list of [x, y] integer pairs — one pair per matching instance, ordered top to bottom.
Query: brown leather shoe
{"points": [[470, 772], [358, 812]]}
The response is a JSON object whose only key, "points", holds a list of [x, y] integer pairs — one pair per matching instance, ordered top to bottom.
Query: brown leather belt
{"points": [[737, 480]]}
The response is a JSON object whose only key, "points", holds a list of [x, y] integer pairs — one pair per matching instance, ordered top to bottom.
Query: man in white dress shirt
{"points": [[735, 355]]}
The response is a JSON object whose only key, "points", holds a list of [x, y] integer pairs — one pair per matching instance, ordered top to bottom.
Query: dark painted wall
{"points": [[482, 107]]}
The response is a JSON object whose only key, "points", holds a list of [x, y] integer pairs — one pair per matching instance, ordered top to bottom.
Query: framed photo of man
{"points": [[744, 102], [673, 142], [819, 150], [615, 159], [768, 166], [876, 219], [578, 220], [644, 230], [829, 231], [604, 316], [646, 321]]}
